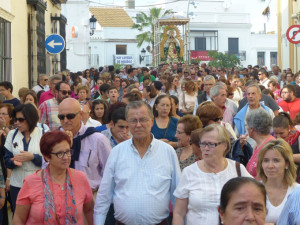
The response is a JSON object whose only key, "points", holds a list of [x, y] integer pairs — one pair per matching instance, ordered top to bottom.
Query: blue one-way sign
{"points": [[55, 44]]}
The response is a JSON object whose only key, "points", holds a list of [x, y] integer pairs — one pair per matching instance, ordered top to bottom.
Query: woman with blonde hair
{"points": [[277, 170]]}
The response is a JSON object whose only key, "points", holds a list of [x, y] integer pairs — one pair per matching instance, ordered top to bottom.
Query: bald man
{"points": [[90, 148]]}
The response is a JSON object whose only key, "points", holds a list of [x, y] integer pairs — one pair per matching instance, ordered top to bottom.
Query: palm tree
{"points": [[147, 23]]}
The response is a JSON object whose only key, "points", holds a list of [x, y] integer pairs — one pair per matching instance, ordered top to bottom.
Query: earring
{"points": [[286, 168], [222, 222]]}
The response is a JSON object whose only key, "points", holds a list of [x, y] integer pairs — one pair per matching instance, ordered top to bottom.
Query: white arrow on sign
{"points": [[52, 44]]}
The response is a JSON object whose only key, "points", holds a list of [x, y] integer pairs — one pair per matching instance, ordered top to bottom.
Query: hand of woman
{"points": [[24, 156]]}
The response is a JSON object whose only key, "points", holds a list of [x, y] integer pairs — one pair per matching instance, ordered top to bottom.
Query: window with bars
{"points": [[40, 31], [205, 40], [5, 50]]}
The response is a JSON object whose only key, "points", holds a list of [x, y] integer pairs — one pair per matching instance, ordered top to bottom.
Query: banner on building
{"points": [[202, 55], [124, 59]]}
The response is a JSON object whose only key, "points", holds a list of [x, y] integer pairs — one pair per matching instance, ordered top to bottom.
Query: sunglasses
{"points": [[45, 79], [64, 92], [69, 116], [217, 119], [21, 120]]}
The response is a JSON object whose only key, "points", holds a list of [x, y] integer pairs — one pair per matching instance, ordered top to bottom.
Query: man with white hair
{"points": [[43, 84]]}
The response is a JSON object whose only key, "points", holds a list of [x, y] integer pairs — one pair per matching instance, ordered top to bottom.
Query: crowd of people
{"points": [[179, 144]]}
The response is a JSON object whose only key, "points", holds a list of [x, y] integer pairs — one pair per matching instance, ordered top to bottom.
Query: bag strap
{"points": [[183, 95], [166, 131], [238, 168]]}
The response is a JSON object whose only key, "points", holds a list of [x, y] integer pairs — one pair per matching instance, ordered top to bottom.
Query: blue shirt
{"points": [[166, 133], [140, 188], [290, 215]]}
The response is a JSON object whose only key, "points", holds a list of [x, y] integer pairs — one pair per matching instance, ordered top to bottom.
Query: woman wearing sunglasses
{"points": [[22, 151], [56, 194]]}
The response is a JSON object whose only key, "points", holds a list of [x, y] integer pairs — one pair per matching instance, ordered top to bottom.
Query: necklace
{"points": [[215, 172], [62, 186]]}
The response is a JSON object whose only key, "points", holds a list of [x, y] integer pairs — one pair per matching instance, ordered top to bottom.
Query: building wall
{"points": [[77, 13], [19, 45]]}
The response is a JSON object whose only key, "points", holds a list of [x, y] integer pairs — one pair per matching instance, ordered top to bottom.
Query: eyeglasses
{"points": [[193, 74], [259, 74], [45, 79], [208, 85], [64, 92], [285, 92], [3, 114], [69, 116], [217, 119], [21, 120], [141, 121], [209, 144], [60, 155]]}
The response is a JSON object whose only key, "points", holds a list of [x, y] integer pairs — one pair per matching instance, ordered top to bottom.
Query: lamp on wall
{"points": [[93, 22], [142, 56]]}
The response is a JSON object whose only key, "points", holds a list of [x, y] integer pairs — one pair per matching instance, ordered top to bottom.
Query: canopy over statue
{"points": [[171, 46]]}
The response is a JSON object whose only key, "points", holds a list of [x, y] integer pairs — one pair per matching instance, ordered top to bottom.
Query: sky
{"points": [[257, 19]]}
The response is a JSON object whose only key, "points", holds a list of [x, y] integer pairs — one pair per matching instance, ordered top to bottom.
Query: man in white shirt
{"points": [[263, 78], [43, 84], [141, 174]]}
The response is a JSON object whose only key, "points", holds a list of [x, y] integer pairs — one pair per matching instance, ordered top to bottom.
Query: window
{"points": [[138, 18], [40, 32], [205, 40], [200, 44], [233, 46], [121, 49], [5, 50], [261, 58], [273, 58]]}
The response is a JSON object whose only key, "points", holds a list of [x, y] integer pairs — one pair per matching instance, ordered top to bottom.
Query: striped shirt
{"points": [[48, 114]]}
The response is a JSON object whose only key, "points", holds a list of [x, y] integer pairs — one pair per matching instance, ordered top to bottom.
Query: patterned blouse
{"points": [[190, 160]]}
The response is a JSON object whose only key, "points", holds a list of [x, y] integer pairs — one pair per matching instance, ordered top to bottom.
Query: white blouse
{"points": [[189, 101], [204, 191], [273, 212]]}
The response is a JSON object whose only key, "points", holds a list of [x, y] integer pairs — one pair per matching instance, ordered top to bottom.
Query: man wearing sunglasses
{"points": [[43, 84], [50, 93], [49, 109], [91, 149]]}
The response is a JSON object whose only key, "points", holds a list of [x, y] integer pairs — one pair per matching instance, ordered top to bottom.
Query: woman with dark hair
{"points": [[172, 86], [149, 95], [31, 96], [132, 96], [175, 107], [100, 111], [6, 124], [164, 126], [185, 126], [284, 128], [22, 155], [56, 194], [243, 201]]}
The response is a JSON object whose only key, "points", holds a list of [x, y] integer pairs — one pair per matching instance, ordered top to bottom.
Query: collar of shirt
{"points": [[81, 130], [150, 147]]}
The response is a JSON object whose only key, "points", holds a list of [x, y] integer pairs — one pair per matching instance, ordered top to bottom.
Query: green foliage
{"points": [[147, 23], [223, 60], [196, 61], [118, 66]]}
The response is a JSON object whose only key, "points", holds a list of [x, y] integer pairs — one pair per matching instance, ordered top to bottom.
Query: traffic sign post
{"points": [[293, 34], [54, 44]]}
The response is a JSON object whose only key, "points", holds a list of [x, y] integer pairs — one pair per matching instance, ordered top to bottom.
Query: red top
{"points": [[45, 96], [291, 107], [32, 193]]}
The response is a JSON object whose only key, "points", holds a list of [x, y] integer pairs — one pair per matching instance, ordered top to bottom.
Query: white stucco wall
{"points": [[77, 14]]}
